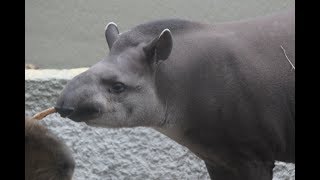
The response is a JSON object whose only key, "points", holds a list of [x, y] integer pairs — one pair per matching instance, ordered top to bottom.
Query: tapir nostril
{"points": [[64, 112]]}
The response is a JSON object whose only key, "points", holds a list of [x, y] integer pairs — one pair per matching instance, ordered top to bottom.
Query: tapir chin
{"points": [[225, 91]]}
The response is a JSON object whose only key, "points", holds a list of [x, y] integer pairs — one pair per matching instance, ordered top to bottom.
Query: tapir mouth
{"points": [[83, 114]]}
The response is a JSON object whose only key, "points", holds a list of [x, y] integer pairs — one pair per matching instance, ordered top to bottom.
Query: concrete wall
{"points": [[138, 153]]}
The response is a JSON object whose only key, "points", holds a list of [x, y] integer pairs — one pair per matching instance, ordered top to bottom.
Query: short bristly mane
{"points": [[174, 25], [147, 31]]}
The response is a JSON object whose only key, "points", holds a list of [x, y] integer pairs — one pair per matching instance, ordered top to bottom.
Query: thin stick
{"points": [[284, 51], [44, 113]]}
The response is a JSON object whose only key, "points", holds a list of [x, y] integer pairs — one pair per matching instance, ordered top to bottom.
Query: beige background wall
{"points": [[70, 33]]}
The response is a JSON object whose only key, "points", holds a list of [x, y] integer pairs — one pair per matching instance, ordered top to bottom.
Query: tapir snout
{"points": [[77, 102], [64, 112], [82, 112]]}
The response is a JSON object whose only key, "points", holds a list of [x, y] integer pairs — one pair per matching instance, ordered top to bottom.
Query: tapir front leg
{"points": [[246, 171]]}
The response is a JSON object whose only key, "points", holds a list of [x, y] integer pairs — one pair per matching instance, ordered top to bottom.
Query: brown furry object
{"points": [[31, 66], [46, 156]]}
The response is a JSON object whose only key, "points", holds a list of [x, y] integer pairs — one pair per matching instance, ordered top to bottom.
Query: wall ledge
{"points": [[46, 74]]}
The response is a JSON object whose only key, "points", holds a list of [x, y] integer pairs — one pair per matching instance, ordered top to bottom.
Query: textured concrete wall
{"points": [[138, 153]]}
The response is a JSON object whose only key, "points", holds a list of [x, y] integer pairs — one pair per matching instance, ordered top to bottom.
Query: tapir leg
{"points": [[246, 171]]}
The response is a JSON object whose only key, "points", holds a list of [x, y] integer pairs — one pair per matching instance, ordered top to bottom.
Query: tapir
{"points": [[226, 91]]}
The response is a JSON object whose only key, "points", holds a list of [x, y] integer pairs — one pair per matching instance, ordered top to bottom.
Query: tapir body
{"points": [[225, 91]]}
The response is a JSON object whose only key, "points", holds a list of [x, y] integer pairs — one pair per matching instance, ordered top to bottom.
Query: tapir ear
{"points": [[111, 33], [160, 47]]}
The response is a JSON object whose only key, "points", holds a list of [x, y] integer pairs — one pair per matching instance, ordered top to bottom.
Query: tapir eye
{"points": [[117, 88]]}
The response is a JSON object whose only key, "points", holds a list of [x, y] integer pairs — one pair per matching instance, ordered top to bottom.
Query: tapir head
{"points": [[119, 91]]}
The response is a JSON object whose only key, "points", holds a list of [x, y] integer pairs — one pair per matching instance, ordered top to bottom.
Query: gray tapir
{"points": [[225, 91]]}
